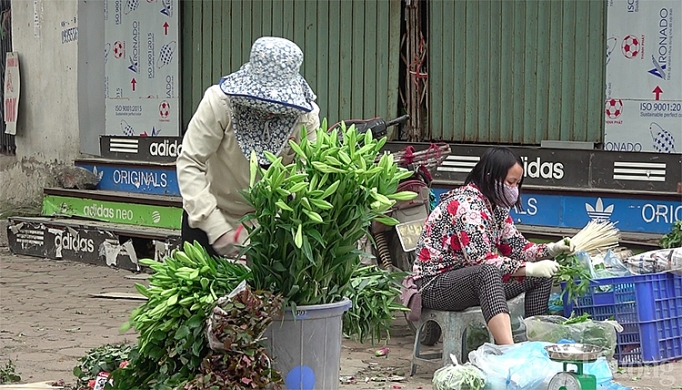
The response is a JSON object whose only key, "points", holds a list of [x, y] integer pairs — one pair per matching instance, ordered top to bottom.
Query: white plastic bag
{"points": [[525, 366], [458, 377]]}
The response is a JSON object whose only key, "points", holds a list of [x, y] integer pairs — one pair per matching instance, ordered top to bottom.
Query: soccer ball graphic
{"points": [[630, 46], [119, 49], [166, 54], [614, 107], [164, 109], [127, 129], [664, 142]]}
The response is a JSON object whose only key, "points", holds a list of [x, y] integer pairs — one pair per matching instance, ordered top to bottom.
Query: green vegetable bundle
{"points": [[312, 212], [672, 239], [575, 274], [373, 292], [171, 323], [581, 329], [106, 358], [239, 360], [458, 377]]}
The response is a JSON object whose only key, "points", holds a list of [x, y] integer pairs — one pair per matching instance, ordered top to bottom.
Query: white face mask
{"points": [[510, 195]]}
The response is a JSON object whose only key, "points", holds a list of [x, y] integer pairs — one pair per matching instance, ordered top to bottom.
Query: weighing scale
{"points": [[573, 355]]}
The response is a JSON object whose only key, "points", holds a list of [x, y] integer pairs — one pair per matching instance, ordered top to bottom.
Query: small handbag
{"points": [[411, 298]]}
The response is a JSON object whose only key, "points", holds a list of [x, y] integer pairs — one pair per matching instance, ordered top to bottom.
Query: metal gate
{"points": [[351, 49], [516, 72], [7, 145]]}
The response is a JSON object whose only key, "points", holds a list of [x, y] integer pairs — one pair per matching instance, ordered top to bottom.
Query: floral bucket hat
{"points": [[267, 96]]}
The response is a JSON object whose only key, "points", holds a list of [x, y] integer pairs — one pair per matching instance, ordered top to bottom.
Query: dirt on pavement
{"points": [[48, 320]]}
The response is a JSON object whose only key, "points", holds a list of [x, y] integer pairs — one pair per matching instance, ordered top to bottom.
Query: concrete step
{"points": [[140, 177], [127, 208], [87, 241]]}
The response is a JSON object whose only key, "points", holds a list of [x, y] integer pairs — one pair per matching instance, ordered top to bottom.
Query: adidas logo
{"points": [[97, 173], [598, 213]]}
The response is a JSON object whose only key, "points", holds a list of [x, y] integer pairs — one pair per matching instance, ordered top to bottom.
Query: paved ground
{"points": [[48, 321]]}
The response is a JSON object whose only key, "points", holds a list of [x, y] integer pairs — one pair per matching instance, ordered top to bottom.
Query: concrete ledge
{"points": [[3, 232]]}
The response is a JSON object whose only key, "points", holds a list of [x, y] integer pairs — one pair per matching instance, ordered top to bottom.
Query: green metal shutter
{"points": [[351, 49], [516, 72]]}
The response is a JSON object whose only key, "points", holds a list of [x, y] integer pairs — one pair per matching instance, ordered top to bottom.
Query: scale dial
{"points": [[564, 381]]}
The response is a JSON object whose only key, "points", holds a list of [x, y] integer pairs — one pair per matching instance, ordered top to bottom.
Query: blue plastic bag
{"points": [[526, 366]]}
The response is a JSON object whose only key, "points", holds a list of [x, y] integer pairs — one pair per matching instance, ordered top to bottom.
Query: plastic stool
{"points": [[453, 325]]}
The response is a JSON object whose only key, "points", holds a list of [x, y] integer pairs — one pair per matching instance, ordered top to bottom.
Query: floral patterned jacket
{"points": [[465, 230]]}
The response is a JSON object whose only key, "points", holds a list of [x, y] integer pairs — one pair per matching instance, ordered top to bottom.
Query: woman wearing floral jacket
{"points": [[470, 253]]}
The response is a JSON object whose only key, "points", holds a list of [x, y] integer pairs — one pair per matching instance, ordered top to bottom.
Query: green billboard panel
{"points": [[116, 212]]}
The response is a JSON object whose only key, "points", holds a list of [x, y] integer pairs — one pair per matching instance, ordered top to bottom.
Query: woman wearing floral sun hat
{"points": [[258, 108]]}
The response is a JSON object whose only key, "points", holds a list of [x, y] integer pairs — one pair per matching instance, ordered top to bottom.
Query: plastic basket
{"points": [[649, 307]]}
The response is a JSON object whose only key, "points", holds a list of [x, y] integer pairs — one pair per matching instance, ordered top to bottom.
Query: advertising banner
{"points": [[141, 57], [643, 107], [157, 181], [572, 211], [116, 212]]}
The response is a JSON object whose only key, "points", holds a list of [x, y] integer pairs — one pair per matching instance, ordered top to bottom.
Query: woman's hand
{"points": [[228, 244], [562, 246], [542, 269]]}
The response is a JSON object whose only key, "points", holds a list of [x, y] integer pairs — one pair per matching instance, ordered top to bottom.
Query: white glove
{"points": [[228, 244], [562, 246], [542, 269]]}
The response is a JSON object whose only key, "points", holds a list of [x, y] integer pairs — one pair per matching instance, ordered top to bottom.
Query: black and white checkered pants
{"points": [[482, 285]]}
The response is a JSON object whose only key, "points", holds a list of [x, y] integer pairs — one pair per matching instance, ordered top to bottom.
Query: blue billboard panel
{"points": [[157, 181], [629, 213]]}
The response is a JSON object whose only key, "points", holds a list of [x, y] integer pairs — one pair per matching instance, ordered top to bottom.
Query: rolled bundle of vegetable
{"points": [[596, 237]]}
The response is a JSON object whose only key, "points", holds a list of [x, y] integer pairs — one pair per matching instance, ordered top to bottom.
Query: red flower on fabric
{"points": [[452, 207], [509, 219], [464, 239], [455, 244], [527, 246], [505, 249], [424, 255]]}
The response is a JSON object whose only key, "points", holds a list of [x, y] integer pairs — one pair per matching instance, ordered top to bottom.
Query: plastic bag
{"points": [[660, 260], [609, 266], [239, 319], [551, 329], [497, 361], [526, 366], [458, 377]]}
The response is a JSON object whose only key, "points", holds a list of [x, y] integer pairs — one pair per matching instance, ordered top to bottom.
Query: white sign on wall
{"points": [[141, 57], [12, 88], [643, 107]]}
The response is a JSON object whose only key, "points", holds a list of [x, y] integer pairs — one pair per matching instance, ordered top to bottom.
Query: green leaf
{"points": [[403, 195], [283, 206], [298, 239], [279, 267], [182, 332]]}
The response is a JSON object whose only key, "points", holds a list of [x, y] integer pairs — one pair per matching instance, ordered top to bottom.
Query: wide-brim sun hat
{"points": [[267, 96]]}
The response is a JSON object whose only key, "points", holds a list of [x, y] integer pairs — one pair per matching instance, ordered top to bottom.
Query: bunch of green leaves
{"points": [[312, 212], [672, 239], [575, 274], [373, 292], [573, 319], [241, 321], [171, 323], [106, 358], [239, 360], [236, 371], [8, 373]]}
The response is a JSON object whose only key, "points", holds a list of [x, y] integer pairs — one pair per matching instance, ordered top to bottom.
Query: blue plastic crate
{"points": [[649, 307]]}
